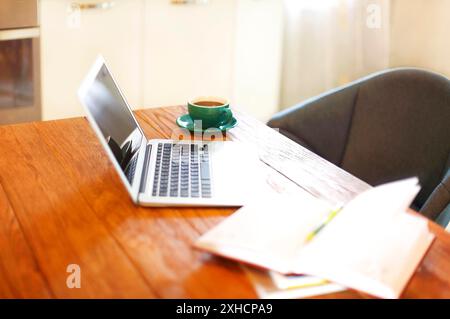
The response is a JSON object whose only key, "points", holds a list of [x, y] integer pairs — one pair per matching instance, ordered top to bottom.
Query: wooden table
{"points": [[62, 203]]}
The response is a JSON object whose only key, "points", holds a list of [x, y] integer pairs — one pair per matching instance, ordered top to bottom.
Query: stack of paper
{"points": [[371, 245], [273, 285]]}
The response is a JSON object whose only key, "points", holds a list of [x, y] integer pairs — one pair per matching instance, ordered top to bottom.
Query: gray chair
{"points": [[387, 126]]}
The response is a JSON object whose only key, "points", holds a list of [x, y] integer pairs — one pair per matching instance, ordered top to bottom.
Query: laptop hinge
{"points": [[148, 152]]}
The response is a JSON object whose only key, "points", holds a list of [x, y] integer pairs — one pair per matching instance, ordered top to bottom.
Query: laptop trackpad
{"points": [[235, 170]]}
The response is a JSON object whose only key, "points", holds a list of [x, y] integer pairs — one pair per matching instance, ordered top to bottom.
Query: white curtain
{"points": [[328, 43]]}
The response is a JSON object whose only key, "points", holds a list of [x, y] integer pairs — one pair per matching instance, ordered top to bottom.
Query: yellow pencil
{"points": [[330, 217]]}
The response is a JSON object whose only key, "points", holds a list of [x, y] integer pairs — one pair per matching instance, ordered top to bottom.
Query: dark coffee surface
{"points": [[208, 103]]}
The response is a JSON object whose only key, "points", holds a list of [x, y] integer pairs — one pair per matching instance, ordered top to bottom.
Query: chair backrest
{"points": [[387, 126], [400, 127]]}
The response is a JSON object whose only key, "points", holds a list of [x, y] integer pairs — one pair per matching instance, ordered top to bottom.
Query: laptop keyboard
{"points": [[182, 170]]}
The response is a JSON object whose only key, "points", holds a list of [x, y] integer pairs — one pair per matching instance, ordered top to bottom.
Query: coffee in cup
{"points": [[208, 103], [212, 111]]}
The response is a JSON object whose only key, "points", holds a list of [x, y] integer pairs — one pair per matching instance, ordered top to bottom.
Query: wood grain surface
{"points": [[62, 203]]}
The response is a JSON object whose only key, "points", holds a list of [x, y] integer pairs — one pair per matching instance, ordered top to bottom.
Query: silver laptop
{"points": [[163, 172]]}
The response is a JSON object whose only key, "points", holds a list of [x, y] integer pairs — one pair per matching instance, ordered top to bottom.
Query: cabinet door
{"points": [[73, 33], [230, 48], [188, 50]]}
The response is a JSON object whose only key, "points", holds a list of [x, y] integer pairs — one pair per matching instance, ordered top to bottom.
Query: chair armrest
{"points": [[437, 206]]}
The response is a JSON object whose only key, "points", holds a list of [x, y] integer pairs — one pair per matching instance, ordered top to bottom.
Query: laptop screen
{"points": [[115, 120]]}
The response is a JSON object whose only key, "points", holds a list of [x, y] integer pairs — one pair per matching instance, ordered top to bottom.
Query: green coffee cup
{"points": [[212, 111]]}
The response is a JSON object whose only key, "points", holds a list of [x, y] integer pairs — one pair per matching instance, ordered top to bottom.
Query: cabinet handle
{"points": [[189, 1], [93, 6]]}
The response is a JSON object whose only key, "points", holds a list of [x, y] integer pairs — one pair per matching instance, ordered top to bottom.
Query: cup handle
{"points": [[228, 115]]}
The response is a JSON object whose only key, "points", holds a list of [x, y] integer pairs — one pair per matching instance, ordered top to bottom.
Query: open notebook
{"points": [[371, 245]]}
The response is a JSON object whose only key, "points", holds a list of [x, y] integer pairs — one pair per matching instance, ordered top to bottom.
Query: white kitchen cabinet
{"points": [[229, 48], [68, 50], [188, 50], [164, 54], [258, 56]]}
